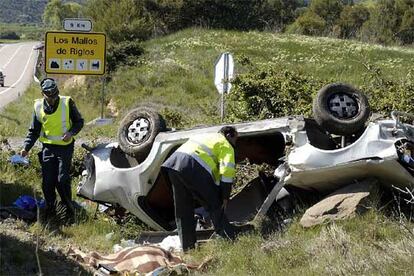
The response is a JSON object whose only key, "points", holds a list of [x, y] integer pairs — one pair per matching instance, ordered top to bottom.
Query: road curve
{"points": [[17, 61]]}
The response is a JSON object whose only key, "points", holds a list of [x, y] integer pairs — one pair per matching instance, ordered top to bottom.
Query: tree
{"points": [[329, 10], [56, 11], [280, 13], [229, 14], [121, 20], [351, 20], [308, 24], [406, 32]]}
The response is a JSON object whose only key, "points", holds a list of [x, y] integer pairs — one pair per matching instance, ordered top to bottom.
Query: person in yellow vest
{"points": [[55, 122], [203, 169]]}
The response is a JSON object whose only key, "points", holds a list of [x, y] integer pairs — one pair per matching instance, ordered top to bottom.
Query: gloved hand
{"points": [[66, 137], [23, 153]]}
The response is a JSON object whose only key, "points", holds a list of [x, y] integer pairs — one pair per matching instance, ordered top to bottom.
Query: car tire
{"points": [[341, 109], [137, 132]]}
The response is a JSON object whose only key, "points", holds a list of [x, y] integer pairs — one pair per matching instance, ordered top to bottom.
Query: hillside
{"points": [[24, 11], [175, 76]]}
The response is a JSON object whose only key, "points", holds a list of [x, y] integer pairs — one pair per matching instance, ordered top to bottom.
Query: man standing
{"points": [[55, 122], [203, 168]]}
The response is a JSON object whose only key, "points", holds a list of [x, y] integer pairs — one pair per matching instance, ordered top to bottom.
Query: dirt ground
{"points": [[18, 253]]}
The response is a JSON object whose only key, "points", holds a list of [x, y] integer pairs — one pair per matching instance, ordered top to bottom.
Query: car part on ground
{"points": [[341, 109], [138, 130]]}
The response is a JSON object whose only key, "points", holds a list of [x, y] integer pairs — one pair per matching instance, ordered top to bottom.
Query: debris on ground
{"points": [[19, 160], [341, 204], [138, 259]]}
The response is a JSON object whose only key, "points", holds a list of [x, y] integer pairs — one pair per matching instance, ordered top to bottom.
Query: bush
{"points": [[222, 14], [122, 20], [351, 20], [308, 24], [406, 32], [9, 35], [125, 53], [269, 93], [386, 95]]}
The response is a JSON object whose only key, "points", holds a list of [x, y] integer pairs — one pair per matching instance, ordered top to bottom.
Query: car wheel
{"points": [[341, 109], [138, 130]]}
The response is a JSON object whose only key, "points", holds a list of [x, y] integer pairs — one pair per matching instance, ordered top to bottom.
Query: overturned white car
{"points": [[338, 146]]}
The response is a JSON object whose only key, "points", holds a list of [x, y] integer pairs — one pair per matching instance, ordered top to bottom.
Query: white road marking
{"points": [[3, 46], [10, 59], [21, 76]]}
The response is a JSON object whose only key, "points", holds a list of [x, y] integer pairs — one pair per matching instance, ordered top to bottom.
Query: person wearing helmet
{"points": [[55, 122]]}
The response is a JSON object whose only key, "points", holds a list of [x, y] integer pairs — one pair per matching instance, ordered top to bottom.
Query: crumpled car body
{"points": [[309, 158]]}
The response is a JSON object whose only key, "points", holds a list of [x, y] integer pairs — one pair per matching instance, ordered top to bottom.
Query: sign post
{"points": [[223, 73]]}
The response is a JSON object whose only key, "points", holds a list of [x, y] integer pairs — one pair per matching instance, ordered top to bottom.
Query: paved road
{"points": [[17, 61]]}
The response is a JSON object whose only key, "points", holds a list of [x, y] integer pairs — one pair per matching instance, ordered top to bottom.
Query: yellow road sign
{"points": [[75, 53]]}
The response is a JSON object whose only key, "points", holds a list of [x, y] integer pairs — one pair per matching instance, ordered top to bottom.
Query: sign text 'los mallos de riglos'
{"points": [[75, 53]]}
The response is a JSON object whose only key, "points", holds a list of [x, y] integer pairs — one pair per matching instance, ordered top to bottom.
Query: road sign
{"points": [[77, 24], [75, 53], [223, 73]]}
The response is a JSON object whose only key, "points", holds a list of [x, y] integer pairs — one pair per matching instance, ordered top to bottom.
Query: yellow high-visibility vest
{"points": [[56, 124], [214, 153]]}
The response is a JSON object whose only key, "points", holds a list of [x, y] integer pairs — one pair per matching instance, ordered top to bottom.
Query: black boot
{"points": [[49, 214]]}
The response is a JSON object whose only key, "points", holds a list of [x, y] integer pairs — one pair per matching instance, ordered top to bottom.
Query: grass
{"points": [[25, 31], [175, 76], [90, 232], [342, 248]]}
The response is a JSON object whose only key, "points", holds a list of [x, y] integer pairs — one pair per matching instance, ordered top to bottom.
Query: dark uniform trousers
{"points": [[56, 162], [194, 182]]}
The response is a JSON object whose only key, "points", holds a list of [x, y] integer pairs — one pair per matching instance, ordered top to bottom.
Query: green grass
{"points": [[25, 31], [175, 76], [90, 232], [342, 248]]}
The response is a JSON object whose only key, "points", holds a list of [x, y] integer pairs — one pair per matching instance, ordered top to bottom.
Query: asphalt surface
{"points": [[17, 61]]}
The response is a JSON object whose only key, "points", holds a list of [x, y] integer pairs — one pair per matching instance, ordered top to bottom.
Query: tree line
{"points": [[378, 21], [382, 21]]}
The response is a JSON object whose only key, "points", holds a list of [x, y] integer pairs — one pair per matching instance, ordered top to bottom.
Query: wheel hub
{"points": [[343, 106], [138, 130]]}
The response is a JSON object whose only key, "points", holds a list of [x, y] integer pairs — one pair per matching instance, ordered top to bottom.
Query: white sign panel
{"points": [[77, 24], [223, 72]]}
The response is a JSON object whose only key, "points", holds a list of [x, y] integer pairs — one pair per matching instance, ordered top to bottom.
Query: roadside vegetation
{"points": [[277, 74]]}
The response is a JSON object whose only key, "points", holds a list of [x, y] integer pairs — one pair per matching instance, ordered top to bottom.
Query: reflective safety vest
{"points": [[54, 125], [215, 154]]}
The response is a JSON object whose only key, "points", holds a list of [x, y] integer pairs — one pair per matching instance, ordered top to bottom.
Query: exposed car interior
{"points": [[258, 149]]}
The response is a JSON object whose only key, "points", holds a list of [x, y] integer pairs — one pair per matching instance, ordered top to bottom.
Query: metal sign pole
{"points": [[225, 83], [102, 97], [222, 107]]}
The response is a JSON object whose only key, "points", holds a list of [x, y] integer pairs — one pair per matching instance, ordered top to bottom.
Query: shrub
{"points": [[329, 10], [222, 14], [122, 20], [351, 20], [308, 24], [406, 32], [9, 35], [124, 53], [270, 93], [386, 95]]}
